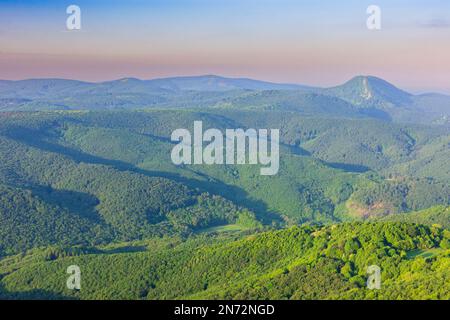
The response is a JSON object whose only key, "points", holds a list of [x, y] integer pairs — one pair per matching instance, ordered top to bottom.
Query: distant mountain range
{"points": [[212, 83], [362, 96]]}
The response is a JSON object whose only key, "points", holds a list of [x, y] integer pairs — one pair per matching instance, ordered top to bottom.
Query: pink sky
{"points": [[297, 42]]}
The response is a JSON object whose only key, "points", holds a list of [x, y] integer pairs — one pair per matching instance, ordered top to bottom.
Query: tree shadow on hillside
{"points": [[375, 113], [297, 150], [347, 167], [238, 195], [81, 203], [126, 249], [33, 294]]}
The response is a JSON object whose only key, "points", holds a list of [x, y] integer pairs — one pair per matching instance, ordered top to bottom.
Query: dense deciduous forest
{"points": [[98, 189], [310, 262]]}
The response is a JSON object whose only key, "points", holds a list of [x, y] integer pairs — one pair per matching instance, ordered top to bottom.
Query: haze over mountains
{"points": [[362, 96], [96, 187]]}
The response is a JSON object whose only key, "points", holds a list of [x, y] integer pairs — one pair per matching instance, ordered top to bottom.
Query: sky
{"points": [[313, 42]]}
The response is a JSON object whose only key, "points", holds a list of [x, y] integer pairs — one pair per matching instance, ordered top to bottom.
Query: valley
{"points": [[86, 178]]}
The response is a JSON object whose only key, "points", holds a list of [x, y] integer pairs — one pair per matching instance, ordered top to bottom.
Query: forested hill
{"points": [[360, 97], [87, 178], [98, 189], [438, 216], [296, 263]]}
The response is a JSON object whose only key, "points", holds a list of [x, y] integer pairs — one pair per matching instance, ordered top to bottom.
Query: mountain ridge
{"points": [[286, 85], [365, 96]]}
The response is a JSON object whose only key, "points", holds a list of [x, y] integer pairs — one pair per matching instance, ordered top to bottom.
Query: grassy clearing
{"points": [[225, 228], [429, 253]]}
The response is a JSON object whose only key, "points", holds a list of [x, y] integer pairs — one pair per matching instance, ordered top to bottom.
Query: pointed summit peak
{"points": [[366, 81], [369, 91]]}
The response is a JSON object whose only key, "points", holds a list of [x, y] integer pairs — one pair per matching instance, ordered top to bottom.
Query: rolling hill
{"points": [[362, 96], [109, 174], [86, 178], [297, 263]]}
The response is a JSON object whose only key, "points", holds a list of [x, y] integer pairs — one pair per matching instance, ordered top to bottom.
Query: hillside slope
{"points": [[439, 216], [296, 263]]}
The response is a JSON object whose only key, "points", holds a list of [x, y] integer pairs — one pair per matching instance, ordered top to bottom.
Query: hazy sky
{"points": [[312, 42]]}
